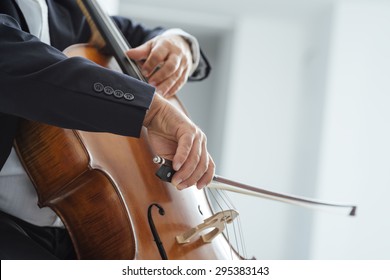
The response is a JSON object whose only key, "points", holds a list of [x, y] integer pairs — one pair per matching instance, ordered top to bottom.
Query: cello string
{"points": [[211, 192], [229, 205], [226, 225], [236, 225], [240, 229], [242, 238]]}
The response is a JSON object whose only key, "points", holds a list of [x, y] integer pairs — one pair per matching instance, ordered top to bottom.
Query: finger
{"points": [[141, 52], [156, 58], [166, 70], [182, 79], [167, 84], [172, 84], [176, 87], [183, 150], [190, 165], [199, 171], [208, 175]]}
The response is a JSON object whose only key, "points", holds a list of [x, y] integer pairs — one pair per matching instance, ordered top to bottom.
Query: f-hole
{"points": [[156, 236]]}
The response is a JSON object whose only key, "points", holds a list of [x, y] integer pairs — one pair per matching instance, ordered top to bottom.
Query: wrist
{"points": [[153, 110]]}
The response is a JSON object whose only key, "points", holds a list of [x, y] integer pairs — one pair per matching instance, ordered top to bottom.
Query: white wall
{"points": [[111, 7], [297, 103], [261, 125], [355, 152]]}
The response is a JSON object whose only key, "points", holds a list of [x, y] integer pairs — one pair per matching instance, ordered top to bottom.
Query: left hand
{"points": [[166, 62]]}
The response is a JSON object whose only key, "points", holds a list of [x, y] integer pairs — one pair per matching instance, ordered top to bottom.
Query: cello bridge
{"points": [[216, 221]]}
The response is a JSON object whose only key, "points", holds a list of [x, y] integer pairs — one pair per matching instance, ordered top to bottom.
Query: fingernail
{"points": [[177, 166], [177, 181], [201, 186]]}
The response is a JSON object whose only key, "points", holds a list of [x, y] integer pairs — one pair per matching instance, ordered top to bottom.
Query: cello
{"points": [[103, 187]]}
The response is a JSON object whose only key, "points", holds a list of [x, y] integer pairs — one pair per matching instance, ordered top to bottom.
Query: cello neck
{"points": [[106, 34]]}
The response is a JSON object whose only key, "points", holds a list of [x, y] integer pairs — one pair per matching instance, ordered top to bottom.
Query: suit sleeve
{"points": [[38, 82]]}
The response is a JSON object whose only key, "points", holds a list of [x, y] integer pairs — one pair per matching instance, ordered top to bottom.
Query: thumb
{"points": [[141, 52]]}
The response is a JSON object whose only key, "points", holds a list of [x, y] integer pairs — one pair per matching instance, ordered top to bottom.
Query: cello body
{"points": [[103, 187]]}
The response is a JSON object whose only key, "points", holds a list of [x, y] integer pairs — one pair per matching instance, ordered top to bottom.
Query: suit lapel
{"points": [[9, 7], [64, 22]]}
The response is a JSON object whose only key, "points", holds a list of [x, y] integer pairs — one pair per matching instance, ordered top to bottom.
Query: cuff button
{"points": [[98, 87], [108, 90], [118, 93], [129, 96]]}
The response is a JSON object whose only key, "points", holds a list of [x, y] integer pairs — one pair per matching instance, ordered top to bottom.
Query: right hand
{"points": [[174, 136]]}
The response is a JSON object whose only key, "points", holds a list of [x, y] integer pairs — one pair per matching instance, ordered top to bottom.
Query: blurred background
{"points": [[298, 102]]}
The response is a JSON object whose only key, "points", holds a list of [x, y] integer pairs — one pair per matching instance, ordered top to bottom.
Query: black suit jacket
{"points": [[38, 82]]}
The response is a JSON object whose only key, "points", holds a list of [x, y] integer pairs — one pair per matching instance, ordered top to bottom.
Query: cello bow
{"points": [[166, 171]]}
